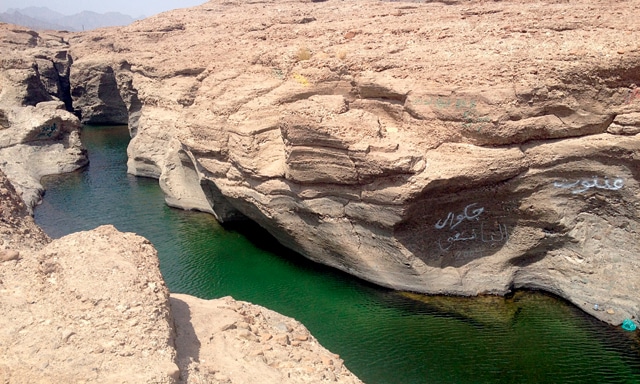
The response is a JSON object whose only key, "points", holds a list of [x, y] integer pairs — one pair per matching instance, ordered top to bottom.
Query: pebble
{"points": [[8, 255], [243, 325], [227, 327], [282, 327], [66, 335], [247, 335], [302, 337], [265, 338], [282, 339], [327, 361]]}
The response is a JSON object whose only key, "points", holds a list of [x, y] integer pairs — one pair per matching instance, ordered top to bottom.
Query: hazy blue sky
{"points": [[133, 8]]}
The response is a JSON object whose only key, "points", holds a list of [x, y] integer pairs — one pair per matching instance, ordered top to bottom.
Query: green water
{"points": [[384, 337]]}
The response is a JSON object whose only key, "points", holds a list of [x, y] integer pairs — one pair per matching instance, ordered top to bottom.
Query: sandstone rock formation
{"points": [[38, 133], [460, 147], [88, 307], [92, 307], [228, 341]]}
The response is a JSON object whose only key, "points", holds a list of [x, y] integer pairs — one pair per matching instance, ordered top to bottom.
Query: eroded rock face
{"points": [[38, 133], [466, 147], [89, 307], [93, 307]]}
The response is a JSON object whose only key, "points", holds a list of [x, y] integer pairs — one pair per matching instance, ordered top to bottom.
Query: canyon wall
{"points": [[38, 133], [460, 148], [93, 307]]}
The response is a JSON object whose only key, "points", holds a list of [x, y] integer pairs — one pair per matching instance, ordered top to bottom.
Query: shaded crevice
{"points": [[64, 81], [36, 91], [223, 210]]}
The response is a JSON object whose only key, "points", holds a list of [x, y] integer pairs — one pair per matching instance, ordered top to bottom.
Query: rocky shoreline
{"points": [[466, 147], [462, 148], [93, 307]]}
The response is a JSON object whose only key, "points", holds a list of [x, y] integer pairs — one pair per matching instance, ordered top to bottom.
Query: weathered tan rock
{"points": [[38, 133], [467, 147], [18, 231], [9, 255], [92, 307], [236, 342]]}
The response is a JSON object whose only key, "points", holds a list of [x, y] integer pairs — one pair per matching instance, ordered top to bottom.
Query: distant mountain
{"points": [[40, 13], [44, 18], [92, 20], [29, 22]]}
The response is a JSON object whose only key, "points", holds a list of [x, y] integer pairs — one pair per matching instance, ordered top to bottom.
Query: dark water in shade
{"points": [[384, 337]]}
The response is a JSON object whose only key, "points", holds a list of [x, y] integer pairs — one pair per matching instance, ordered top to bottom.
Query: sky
{"points": [[133, 8]]}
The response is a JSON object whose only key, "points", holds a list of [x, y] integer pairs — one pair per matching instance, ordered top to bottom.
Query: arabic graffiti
{"points": [[277, 72], [447, 102], [470, 118], [47, 131], [583, 185], [459, 218], [467, 230], [486, 235], [474, 253]]}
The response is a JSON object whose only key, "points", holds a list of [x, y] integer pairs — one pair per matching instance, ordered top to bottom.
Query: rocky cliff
{"points": [[38, 133], [459, 147], [92, 307]]}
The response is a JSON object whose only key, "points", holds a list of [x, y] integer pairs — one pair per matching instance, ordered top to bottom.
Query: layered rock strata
{"points": [[38, 133], [461, 147], [92, 307]]}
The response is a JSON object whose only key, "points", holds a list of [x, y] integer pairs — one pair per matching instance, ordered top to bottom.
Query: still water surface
{"points": [[383, 336]]}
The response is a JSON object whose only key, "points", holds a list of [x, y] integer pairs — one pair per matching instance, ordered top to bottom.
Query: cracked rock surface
{"points": [[39, 135], [459, 147]]}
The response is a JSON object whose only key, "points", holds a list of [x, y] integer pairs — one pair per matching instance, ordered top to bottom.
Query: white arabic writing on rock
{"points": [[584, 185], [460, 218], [491, 237]]}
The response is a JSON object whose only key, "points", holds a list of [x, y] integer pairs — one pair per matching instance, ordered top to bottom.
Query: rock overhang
{"points": [[360, 133]]}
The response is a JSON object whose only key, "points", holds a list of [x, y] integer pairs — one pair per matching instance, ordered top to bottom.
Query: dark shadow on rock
{"points": [[453, 229], [187, 343]]}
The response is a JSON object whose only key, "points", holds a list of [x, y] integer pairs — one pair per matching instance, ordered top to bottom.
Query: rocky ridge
{"points": [[38, 133], [459, 147], [92, 307]]}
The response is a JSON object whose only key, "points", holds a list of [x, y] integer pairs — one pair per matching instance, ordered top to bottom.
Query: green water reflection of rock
{"points": [[385, 337]]}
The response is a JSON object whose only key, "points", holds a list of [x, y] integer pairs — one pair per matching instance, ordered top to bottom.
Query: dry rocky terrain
{"points": [[38, 134], [458, 147], [92, 307]]}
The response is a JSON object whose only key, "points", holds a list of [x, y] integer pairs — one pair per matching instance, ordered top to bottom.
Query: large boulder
{"points": [[90, 307], [229, 341]]}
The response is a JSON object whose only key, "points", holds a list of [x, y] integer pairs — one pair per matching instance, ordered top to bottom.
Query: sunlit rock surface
{"points": [[459, 147]]}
